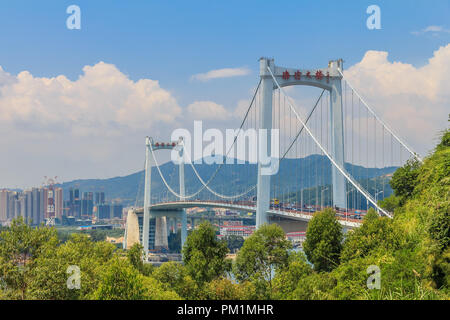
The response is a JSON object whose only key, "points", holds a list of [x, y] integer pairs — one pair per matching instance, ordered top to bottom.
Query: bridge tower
{"points": [[326, 78], [265, 123], [160, 233]]}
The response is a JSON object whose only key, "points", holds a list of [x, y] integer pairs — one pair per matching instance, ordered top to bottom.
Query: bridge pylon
{"points": [[326, 78], [160, 230]]}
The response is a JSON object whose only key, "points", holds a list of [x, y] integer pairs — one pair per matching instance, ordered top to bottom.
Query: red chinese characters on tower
{"points": [[308, 74], [286, 75], [297, 75], [319, 75]]}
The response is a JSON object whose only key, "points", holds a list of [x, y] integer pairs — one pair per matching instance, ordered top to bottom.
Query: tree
{"points": [[404, 179], [390, 203], [439, 226], [375, 233], [97, 235], [234, 242], [323, 242], [20, 245], [262, 253], [135, 255], [204, 256], [55, 266], [174, 276], [286, 279], [120, 281], [316, 286], [225, 289], [155, 290]]}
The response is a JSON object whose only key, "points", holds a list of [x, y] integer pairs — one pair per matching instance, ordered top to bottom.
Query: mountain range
{"points": [[293, 175]]}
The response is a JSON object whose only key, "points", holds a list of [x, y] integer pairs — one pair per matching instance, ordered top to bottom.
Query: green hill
{"points": [[294, 174]]}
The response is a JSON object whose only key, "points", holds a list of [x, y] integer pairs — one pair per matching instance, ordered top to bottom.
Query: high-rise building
{"points": [[99, 198], [74, 203], [42, 204], [87, 204], [3, 205], [13, 205], [23, 206], [36, 206], [59, 208], [103, 211], [116, 211], [28, 215]]}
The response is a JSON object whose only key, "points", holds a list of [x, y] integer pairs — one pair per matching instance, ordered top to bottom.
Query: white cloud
{"points": [[435, 30], [221, 73], [101, 99], [414, 101], [207, 110], [94, 126], [91, 127]]}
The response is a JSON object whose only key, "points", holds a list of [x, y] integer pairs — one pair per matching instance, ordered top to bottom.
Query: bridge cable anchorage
{"points": [[391, 131], [341, 170], [205, 185]]}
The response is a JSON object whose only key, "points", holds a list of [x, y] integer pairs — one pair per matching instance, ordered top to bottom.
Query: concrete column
{"points": [[265, 116], [337, 139], [182, 192], [147, 196], [161, 240]]}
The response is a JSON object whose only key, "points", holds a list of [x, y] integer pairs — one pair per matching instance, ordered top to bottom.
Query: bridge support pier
{"points": [[265, 122], [337, 139], [182, 193], [147, 197]]}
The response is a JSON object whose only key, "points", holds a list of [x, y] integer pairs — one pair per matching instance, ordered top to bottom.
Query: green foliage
{"points": [[445, 140], [404, 179], [390, 203], [439, 227], [375, 234], [97, 235], [234, 242], [323, 242], [20, 245], [262, 253], [204, 256], [135, 257], [50, 274], [174, 276], [286, 279], [120, 281], [317, 286], [225, 289], [155, 290]]}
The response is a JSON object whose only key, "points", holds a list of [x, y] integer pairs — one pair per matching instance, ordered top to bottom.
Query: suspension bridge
{"points": [[335, 153]]}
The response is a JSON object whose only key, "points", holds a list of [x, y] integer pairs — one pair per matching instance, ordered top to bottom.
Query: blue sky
{"points": [[170, 41]]}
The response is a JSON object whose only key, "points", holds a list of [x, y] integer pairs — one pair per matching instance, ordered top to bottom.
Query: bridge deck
{"points": [[249, 206]]}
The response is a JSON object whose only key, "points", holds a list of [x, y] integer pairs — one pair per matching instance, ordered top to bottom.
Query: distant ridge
{"points": [[295, 174]]}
